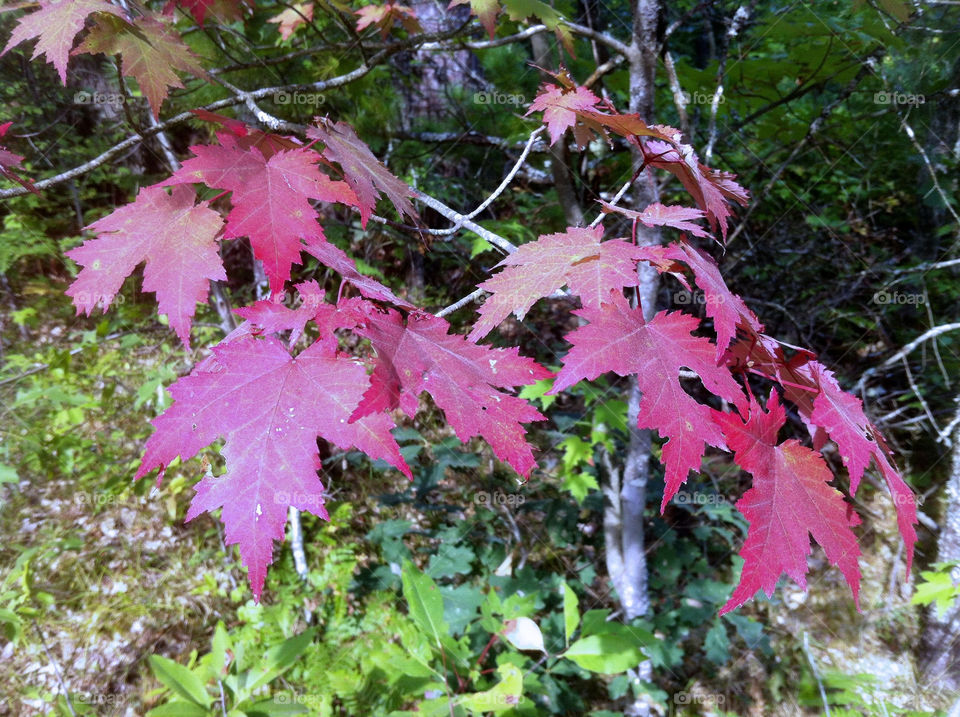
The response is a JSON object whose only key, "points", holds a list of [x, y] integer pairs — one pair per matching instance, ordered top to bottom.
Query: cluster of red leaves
{"points": [[270, 406]]}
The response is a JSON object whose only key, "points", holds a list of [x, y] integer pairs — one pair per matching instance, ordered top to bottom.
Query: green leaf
{"points": [[537, 392], [8, 474], [580, 484], [450, 561], [938, 588], [424, 602], [571, 612], [717, 644], [607, 654], [277, 659], [180, 680], [505, 695], [278, 705], [178, 708]]}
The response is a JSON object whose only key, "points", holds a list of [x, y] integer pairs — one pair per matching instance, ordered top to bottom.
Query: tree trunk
{"points": [[940, 654]]}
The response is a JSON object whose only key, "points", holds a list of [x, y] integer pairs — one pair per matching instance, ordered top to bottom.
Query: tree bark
{"points": [[940, 652]]}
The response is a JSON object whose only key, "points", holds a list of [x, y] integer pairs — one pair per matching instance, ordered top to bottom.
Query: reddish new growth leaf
{"points": [[485, 10], [223, 11], [384, 16], [292, 18], [56, 25], [150, 51], [560, 106], [10, 161], [362, 170], [271, 197], [659, 215], [177, 240], [576, 258], [618, 339], [463, 378], [269, 408], [790, 500]]}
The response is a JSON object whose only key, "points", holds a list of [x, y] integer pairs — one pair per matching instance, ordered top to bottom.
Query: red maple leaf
{"points": [[223, 11], [384, 16], [292, 18], [56, 25], [150, 53], [560, 107], [9, 161], [362, 170], [710, 188], [271, 197], [659, 215], [175, 237], [337, 259], [577, 259], [726, 309], [618, 339], [463, 379], [269, 408], [829, 411], [858, 440], [790, 500]]}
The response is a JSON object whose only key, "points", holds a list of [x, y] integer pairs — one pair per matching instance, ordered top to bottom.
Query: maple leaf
{"points": [[485, 10], [223, 11], [384, 16], [292, 18], [56, 25], [150, 53], [560, 106], [248, 137], [9, 161], [362, 170], [710, 188], [270, 197], [659, 215], [177, 240], [577, 258], [337, 259], [723, 306], [618, 339], [462, 378], [269, 408], [829, 411], [858, 440], [790, 499]]}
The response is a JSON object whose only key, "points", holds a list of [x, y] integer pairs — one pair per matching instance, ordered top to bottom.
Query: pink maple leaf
{"points": [[177, 240], [618, 339], [269, 407], [790, 500]]}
